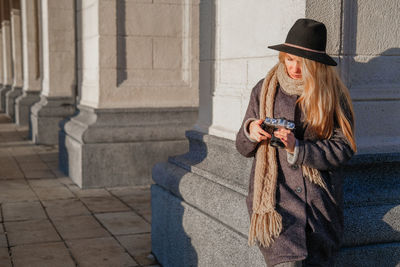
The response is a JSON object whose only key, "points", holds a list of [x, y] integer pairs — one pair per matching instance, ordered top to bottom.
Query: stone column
{"points": [[16, 42], [7, 53], [1, 56], [58, 56], [32, 83], [138, 84]]}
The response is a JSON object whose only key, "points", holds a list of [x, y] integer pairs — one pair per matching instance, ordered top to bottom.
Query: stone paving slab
{"points": [[33, 166], [39, 174], [45, 183], [15, 190], [97, 192], [46, 193], [104, 204], [65, 208], [20, 211], [45, 218], [122, 223], [79, 227], [28, 232], [3, 241], [139, 246], [100, 252], [42, 255], [4, 258]]}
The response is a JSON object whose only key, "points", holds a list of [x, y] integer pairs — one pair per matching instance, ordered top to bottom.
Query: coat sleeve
{"points": [[244, 144], [325, 154]]}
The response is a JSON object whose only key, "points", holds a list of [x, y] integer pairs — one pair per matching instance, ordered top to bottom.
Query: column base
{"points": [[3, 92], [10, 101], [23, 107], [46, 116], [115, 147], [199, 213]]}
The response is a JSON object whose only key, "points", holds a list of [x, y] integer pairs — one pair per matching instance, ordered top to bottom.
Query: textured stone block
{"points": [[155, 19], [138, 52], [168, 53], [10, 101], [22, 107], [45, 117], [118, 144], [15, 190], [185, 236], [5, 258]]}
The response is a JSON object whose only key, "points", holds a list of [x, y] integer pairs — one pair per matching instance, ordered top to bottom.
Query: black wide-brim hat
{"points": [[307, 39]]}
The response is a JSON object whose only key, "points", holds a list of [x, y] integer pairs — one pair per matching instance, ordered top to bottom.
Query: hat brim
{"points": [[319, 57]]}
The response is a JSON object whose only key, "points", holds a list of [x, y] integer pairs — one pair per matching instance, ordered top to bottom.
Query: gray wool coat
{"points": [[312, 217]]}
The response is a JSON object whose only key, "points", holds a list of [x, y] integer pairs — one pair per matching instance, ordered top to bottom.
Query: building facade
{"points": [[120, 85]]}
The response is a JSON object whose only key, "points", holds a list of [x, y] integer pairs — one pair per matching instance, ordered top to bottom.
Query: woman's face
{"points": [[293, 66]]}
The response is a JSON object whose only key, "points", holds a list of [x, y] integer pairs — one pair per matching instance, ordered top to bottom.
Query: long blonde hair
{"points": [[325, 100]]}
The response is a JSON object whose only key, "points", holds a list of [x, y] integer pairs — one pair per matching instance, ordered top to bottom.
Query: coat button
{"points": [[294, 167], [298, 189]]}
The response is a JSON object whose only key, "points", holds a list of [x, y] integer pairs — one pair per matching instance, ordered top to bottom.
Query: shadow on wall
{"points": [[174, 221]]}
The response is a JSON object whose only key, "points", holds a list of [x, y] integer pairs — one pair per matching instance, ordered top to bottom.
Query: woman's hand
{"points": [[256, 132], [287, 138]]}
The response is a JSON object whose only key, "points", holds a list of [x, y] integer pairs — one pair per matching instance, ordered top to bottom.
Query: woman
{"points": [[295, 193]]}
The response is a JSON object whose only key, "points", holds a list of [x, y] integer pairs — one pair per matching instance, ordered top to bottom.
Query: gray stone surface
{"points": [[3, 91], [11, 95], [23, 106], [46, 115], [121, 143], [15, 190], [49, 193], [104, 204], [65, 208], [21, 211], [122, 223], [78, 227], [28, 232], [184, 236], [139, 246], [100, 252], [40, 255], [382, 255], [5, 258]]}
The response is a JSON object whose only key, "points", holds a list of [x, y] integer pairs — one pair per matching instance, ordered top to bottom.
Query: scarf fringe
{"points": [[314, 176], [265, 227]]}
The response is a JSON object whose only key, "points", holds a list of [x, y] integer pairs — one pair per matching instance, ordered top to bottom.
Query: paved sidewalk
{"points": [[46, 220]]}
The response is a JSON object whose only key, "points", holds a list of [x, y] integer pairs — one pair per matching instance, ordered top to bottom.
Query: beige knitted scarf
{"points": [[266, 222]]}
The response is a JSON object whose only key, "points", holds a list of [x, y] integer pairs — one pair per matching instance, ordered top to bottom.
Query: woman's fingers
{"points": [[257, 133]]}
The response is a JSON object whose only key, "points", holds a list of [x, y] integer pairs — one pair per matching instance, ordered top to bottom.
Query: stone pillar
{"points": [[16, 42], [368, 52], [7, 53], [1, 56], [32, 83], [138, 84], [57, 99], [199, 214]]}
